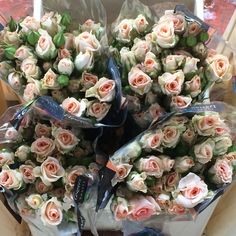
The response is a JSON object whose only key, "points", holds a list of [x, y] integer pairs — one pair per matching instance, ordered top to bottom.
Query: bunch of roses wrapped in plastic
{"points": [[174, 167]]}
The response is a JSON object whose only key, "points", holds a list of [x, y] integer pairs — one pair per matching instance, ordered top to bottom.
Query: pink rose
{"points": [[29, 23], [140, 23], [193, 28], [123, 30], [141, 48], [23, 52], [151, 65], [30, 69], [49, 80], [88, 80], [139, 82], [171, 84], [193, 86], [32, 89], [180, 102], [74, 106], [98, 109], [156, 111], [42, 130], [12, 134], [189, 135], [171, 136], [65, 140], [151, 140], [43, 146], [6, 157], [230, 157], [167, 163], [183, 164], [152, 166], [49, 171], [122, 171], [221, 171], [27, 173], [74, 173], [11, 179], [170, 181], [41, 187], [192, 190], [120, 208], [143, 208], [176, 209], [51, 212]]}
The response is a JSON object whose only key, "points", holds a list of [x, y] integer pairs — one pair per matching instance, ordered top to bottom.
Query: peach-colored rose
{"points": [[30, 23], [140, 23], [193, 28], [123, 30], [141, 48], [23, 52], [63, 53], [172, 62], [190, 64], [151, 65], [65, 66], [30, 69], [49, 80], [88, 80], [139, 82], [171, 84], [193, 86], [32, 89], [180, 102], [98, 109], [222, 129], [42, 130], [189, 135], [171, 136], [65, 140], [152, 140], [43, 146], [6, 157], [167, 163], [183, 164], [151, 165], [49, 171], [122, 171], [221, 172], [27, 173], [74, 173], [11, 179], [136, 181], [170, 181], [41, 187], [192, 190], [120, 208], [143, 208], [176, 209], [51, 212]]}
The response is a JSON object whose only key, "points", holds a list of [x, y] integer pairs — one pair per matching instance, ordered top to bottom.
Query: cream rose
{"points": [[50, 22], [140, 23], [29, 24], [89, 25], [123, 30], [165, 35], [11, 38], [87, 42], [45, 47], [140, 49], [23, 52], [127, 58], [84, 61], [172, 62], [151, 65], [190, 65], [65, 66], [218, 68], [30, 69], [14, 80], [49, 80], [88, 80], [139, 82], [171, 84], [193, 86], [31, 90], [103, 90], [180, 102], [74, 106], [98, 109], [42, 130], [189, 135], [171, 136], [65, 140], [152, 140], [222, 144], [43, 146], [204, 151], [22, 152], [6, 157], [167, 163], [183, 164], [152, 166], [50, 171], [221, 172], [27, 173], [73, 173], [11, 179], [136, 181], [192, 190], [34, 201], [120, 208], [143, 208], [176, 209], [51, 212]]}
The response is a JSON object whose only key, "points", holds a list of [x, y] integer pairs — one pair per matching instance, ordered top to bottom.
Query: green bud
{"points": [[66, 19], [12, 25], [33, 37], [203, 37], [59, 39], [191, 41], [182, 42], [9, 52], [63, 80]]}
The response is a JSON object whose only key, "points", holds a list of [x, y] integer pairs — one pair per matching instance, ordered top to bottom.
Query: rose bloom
{"points": [[50, 22], [29, 23], [140, 23], [193, 28], [123, 30], [165, 35], [11, 38], [87, 42], [140, 49], [23, 52], [63, 53], [84, 61], [172, 62], [151, 64], [190, 65], [65, 66], [219, 68], [30, 69], [14, 80], [49, 80], [88, 80], [139, 82], [171, 84], [193, 86], [32, 89], [103, 90], [180, 102], [74, 106], [98, 109], [155, 111], [205, 124], [42, 130], [11, 134], [189, 135], [171, 136], [65, 140], [152, 140], [222, 143], [43, 146], [22, 152], [6, 157], [167, 163], [183, 164], [152, 166], [49, 171], [122, 171], [221, 172], [27, 173], [72, 174], [11, 179], [136, 181], [170, 181], [41, 187], [192, 191], [163, 200], [34, 201], [120, 208], [143, 208], [176, 209], [51, 212]]}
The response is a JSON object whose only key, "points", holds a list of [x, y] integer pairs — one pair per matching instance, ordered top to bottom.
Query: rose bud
{"points": [[65, 19], [49, 22], [140, 23], [29, 24], [193, 29], [123, 30], [33, 37], [11, 38], [59, 39], [140, 49], [9, 52], [23, 52], [127, 58], [84, 61], [172, 62], [151, 65], [190, 65], [65, 66], [30, 69], [14, 80], [49, 80], [63, 80], [88, 80], [193, 86], [180, 102], [98, 109], [171, 135], [189, 136], [152, 140], [222, 144], [22, 152], [6, 157], [183, 164], [27, 173], [11, 179], [170, 181], [136, 182], [34, 201], [120, 208], [176, 209]]}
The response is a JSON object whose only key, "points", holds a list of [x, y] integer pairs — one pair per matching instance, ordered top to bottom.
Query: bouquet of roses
{"points": [[166, 65], [175, 166]]}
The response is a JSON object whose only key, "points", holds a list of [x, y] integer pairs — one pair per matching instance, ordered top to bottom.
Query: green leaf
{"points": [[65, 19], [12, 25], [33, 37], [59, 39], [9, 52], [232, 149]]}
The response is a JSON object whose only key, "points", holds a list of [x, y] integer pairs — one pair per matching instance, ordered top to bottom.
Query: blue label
{"points": [[234, 83]]}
